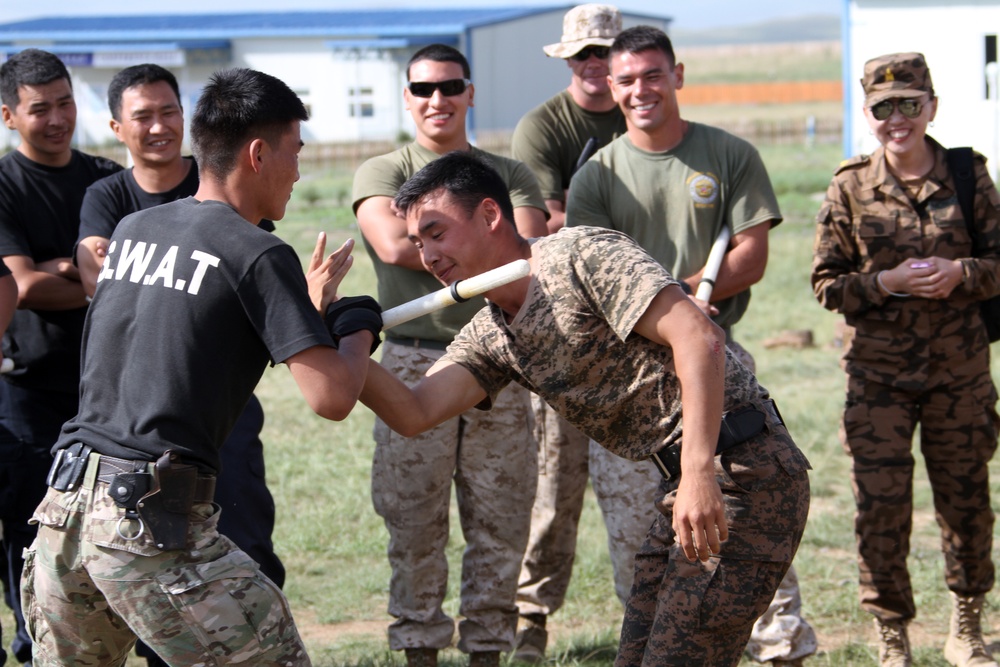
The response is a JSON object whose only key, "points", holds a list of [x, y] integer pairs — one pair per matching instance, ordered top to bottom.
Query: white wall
{"points": [[952, 37]]}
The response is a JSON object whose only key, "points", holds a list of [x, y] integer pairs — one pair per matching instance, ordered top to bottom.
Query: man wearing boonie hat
{"points": [[551, 139]]}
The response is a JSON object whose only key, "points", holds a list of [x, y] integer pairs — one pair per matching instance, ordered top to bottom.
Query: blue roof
{"points": [[347, 23]]}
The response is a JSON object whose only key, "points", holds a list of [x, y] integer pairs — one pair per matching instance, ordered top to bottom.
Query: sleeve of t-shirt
{"points": [[530, 145], [376, 177], [524, 190], [752, 197], [587, 203], [98, 212], [13, 240], [4, 271], [619, 278], [276, 298], [476, 349]]}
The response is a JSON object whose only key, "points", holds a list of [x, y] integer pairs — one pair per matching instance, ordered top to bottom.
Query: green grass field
{"points": [[333, 544]]}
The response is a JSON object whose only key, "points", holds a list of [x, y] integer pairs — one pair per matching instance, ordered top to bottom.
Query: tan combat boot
{"points": [[529, 644], [893, 644], [965, 646], [421, 657], [484, 659]]}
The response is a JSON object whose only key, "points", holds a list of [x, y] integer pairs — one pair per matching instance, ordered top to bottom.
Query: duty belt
{"points": [[737, 427], [158, 496]]}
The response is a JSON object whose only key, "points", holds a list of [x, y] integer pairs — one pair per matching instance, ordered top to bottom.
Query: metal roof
{"points": [[347, 23]]}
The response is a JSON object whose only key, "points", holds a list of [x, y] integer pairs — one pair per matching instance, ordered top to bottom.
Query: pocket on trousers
{"points": [[29, 608], [232, 609]]}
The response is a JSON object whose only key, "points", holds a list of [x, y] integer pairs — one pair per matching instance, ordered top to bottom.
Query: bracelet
{"points": [[881, 285]]}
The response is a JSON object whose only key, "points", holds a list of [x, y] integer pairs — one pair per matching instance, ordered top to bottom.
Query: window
{"points": [[360, 102]]}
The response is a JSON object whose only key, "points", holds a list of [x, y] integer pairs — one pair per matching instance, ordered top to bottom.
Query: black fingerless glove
{"points": [[350, 314]]}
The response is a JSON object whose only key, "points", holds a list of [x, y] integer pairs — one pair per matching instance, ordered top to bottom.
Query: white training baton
{"points": [[711, 271], [457, 292], [7, 365]]}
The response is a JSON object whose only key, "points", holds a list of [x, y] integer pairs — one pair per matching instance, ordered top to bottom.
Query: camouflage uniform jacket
{"points": [[867, 224]]}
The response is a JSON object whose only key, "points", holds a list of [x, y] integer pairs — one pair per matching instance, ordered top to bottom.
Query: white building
{"points": [[959, 40], [347, 66]]}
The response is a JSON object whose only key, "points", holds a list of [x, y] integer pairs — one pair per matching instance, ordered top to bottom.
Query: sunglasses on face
{"points": [[601, 52], [448, 88], [909, 107]]}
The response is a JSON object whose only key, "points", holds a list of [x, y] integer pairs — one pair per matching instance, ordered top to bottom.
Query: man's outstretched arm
{"points": [[446, 390]]}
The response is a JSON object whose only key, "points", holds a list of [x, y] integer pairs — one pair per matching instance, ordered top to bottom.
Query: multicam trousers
{"points": [[958, 436], [491, 458], [88, 593]]}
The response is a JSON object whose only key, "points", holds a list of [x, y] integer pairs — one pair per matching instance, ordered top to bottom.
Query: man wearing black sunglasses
{"points": [[489, 455]]}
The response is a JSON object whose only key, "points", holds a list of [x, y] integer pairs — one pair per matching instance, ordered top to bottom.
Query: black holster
{"points": [[166, 509]]}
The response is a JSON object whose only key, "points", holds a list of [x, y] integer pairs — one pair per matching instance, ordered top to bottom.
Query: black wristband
{"points": [[351, 314]]}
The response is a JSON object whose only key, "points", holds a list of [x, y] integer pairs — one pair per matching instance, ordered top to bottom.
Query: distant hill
{"points": [[812, 28]]}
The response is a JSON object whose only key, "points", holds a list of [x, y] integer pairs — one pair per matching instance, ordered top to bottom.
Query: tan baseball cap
{"points": [[586, 25], [896, 75]]}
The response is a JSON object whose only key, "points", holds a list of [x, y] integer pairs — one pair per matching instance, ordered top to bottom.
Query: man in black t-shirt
{"points": [[147, 116], [42, 184], [193, 301]]}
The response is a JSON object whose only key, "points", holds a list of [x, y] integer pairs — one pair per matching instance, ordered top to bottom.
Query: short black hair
{"points": [[643, 38], [440, 53], [30, 67], [137, 75], [236, 106], [467, 178]]}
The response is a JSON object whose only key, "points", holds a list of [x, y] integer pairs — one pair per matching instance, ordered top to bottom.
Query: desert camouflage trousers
{"points": [[958, 436], [491, 458], [625, 491], [88, 593], [682, 613]]}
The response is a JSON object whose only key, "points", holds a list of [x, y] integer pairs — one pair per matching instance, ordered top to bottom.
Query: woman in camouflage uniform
{"points": [[894, 255]]}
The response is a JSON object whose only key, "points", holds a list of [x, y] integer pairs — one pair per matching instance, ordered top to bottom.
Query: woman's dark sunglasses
{"points": [[601, 52], [448, 88], [909, 107]]}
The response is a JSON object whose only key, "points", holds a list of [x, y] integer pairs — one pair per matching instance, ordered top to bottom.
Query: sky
{"points": [[687, 14]]}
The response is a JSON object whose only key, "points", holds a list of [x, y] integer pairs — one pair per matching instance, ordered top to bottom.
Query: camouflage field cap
{"points": [[586, 25], [896, 75]]}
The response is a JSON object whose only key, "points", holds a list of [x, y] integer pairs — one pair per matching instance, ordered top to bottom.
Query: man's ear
{"points": [[8, 117], [116, 127], [254, 154], [491, 212]]}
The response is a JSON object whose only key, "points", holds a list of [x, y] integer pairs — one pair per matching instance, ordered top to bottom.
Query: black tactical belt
{"points": [[418, 343], [737, 427], [109, 467]]}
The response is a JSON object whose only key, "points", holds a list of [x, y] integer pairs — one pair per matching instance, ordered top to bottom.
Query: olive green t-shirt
{"points": [[551, 137], [675, 203]]}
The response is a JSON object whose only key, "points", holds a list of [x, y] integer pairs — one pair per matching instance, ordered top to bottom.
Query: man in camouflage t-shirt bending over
{"points": [[605, 335]]}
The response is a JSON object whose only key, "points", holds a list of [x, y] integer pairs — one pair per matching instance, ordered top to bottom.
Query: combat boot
{"points": [[893, 644], [529, 645], [965, 646], [421, 657], [484, 659]]}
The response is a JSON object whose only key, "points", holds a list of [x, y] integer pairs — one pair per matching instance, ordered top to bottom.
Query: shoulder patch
{"points": [[855, 161]]}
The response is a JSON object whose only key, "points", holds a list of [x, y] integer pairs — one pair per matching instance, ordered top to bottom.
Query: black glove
{"points": [[350, 314]]}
